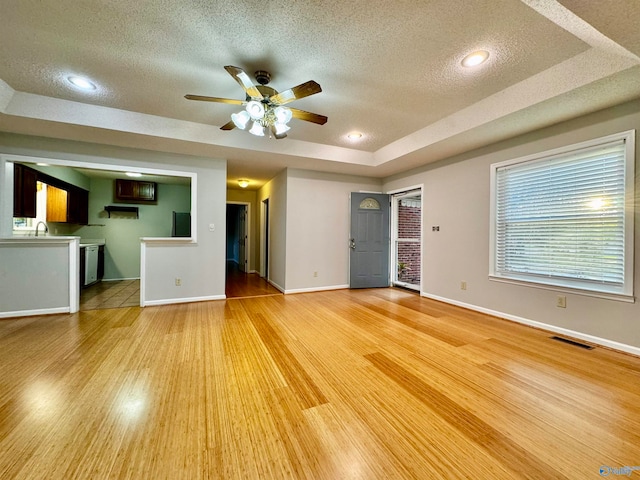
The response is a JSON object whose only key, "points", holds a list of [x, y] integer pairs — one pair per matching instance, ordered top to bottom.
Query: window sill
{"points": [[557, 288]]}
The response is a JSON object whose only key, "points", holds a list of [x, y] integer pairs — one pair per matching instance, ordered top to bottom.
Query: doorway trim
{"points": [[248, 233], [264, 238]]}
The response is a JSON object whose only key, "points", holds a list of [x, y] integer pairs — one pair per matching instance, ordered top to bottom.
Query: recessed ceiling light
{"points": [[475, 58], [81, 83], [354, 136], [40, 164], [133, 174]]}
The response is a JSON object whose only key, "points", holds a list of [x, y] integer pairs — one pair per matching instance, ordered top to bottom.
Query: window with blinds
{"points": [[565, 218]]}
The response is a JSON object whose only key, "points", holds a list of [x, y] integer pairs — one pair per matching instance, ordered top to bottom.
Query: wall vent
{"points": [[572, 342]]}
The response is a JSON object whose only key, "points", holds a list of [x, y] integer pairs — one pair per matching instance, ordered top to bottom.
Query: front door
{"points": [[369, 243]]}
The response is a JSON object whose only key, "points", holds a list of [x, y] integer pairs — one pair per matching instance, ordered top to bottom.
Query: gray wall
{"points": [[276, 191], [456, 197], [318, 227], [201, 266], [33, 277]]}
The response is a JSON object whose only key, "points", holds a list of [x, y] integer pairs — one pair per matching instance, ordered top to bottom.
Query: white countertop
{"points": [[38, 239], [44, 239], [87, 242]]}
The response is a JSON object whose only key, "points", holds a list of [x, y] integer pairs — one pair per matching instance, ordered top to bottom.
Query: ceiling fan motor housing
{"points": [[263, 77]]}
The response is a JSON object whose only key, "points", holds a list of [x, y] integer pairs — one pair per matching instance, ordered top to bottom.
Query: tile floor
{"points": [[121, 293]]}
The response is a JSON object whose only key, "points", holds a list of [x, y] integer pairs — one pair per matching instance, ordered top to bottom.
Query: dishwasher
{"points": [[90, 264]]}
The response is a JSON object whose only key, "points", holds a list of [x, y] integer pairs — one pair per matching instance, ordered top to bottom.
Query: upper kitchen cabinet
{"points": [[25, 182], [134, 191], [57, 199], [67, 205], [78, 206]]}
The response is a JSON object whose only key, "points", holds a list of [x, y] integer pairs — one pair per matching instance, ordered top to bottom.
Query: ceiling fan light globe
{"points": [[255, 110], [283, 114], [240, 119], [281, 128], [257, 130]]}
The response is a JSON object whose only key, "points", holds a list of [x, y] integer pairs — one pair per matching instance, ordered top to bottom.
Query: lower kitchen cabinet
{"points": [[101, 262]]}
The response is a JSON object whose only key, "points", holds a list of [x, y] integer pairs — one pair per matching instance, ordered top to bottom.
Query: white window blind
{"points": [[561, 219]]}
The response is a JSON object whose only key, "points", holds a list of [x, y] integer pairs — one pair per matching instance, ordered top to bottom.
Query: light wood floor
{"points": [[240, 284], [365, 384]]}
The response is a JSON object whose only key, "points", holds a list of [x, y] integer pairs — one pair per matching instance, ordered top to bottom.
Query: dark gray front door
{"points": [[369, 243]]}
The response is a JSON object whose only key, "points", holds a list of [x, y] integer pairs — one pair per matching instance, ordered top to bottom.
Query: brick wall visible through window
{"points": [[409, 217]]}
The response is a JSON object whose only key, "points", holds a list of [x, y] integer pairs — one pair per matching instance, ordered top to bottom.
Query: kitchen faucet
{"points": [[46, 229]]}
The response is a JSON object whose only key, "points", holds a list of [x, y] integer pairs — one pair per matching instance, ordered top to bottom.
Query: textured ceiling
{"points": [[389, 70]]}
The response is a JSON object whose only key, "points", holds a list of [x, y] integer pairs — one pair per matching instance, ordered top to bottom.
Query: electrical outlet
{"points": [[212, 227], [315, 274], [178, 281], [463, 285], [561, 301]]}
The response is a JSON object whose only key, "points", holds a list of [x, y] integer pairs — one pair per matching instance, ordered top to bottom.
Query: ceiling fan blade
{"points": [[245, 82], [301, 91], [202, 98], [308, 116], [228, 126]]}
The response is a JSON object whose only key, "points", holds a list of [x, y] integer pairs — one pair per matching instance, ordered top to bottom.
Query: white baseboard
{"points": [[316, 289], [170, 301], [29, 313], [543, 326]]}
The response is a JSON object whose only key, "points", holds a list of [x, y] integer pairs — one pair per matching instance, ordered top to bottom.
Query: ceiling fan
{"points": [[264, 110]]}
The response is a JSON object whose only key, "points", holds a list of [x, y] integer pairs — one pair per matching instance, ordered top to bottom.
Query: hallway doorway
{"points": [[238, 242], [242, 280], [243, 285]]}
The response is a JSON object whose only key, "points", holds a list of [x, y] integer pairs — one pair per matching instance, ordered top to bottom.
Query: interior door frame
{"points": [[397, 195], [247, 227], [264, 238]]}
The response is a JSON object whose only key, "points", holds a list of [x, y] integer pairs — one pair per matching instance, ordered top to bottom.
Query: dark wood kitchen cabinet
{"points": [[25, 184], [135, 191], [67, 205], [78, 206], [100, 262]]}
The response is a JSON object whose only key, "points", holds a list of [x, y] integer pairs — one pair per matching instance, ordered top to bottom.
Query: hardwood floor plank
{"points": [[297, 378], [339, 384], [511, 409], [420, 447], [514, 457]]}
